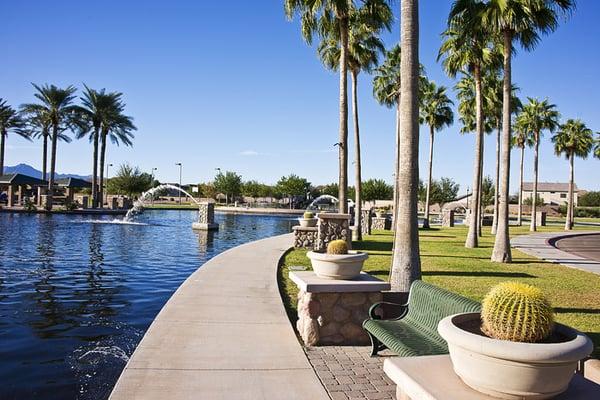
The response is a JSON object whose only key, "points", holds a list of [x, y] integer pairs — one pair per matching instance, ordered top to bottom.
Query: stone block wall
{"points": [[206, 213], [366, 221], [381, 224], [333, 227], [305, 237], [334, 318]]}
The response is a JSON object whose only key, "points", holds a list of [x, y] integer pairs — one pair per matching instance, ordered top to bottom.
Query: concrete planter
{"points": [[380, 214], [307, 222], [337, 266], [511, 370]]}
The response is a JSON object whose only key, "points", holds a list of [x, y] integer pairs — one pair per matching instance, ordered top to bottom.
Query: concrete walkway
{"points": [[541, 245], [224, 335]]}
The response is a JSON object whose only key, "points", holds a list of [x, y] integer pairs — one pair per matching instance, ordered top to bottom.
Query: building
{"points": [[552, 193]]}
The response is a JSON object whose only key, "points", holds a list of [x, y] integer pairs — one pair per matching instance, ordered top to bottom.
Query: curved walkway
{"points": [[543, 245], [224, 334]]}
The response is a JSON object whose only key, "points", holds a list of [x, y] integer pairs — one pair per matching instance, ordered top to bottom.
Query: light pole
{"points": [[219, 172], [105, 186], [179, 196], [152, 198]]}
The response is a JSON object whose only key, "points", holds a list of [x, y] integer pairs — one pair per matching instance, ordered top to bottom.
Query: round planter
{"points": [[307, 222], [337, 266], [512, 370]]}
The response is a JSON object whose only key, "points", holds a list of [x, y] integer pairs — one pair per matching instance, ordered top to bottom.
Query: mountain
{"points": [[30, 171]]}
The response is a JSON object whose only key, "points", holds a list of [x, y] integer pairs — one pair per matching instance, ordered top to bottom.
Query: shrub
{"points": [[28, 205], [71, 205], [308, 215], [337, 247], [517, 312]]}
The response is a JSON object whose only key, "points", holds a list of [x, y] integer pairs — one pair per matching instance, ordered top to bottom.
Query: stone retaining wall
{"points": [[305, 237]]}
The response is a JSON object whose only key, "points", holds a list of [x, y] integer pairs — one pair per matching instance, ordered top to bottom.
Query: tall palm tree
{"points": [[322, 17], [520, 21], [364, 47], [467, 48], [57, 105], [96, 108], [436, 112], [536, 117], [10, 121], [38, 125], [117, 127], [521, 139], [573, 139], [597, 146], [406, 262]]}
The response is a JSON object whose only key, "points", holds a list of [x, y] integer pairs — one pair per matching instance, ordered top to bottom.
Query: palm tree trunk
{"points": [[2, 134], [343, 140], [45, 156], [102, 159], [396, 162], [52, 166], [95, 169], [496, 181], [358, 183], [480, 210], [520, 214], [426, 217], [569, 221], [533, 225], [472, 236], [502, 252], [406, 264]]}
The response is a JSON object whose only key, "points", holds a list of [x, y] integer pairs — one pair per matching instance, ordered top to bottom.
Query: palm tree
{"points": [[322, 18], [522, 21], [364, 47], [467, 48], [56, 104], [96, 107], [436, 112], [536, 117], [10, 121], [38, 125], [117, 127], [521, 138], [573, 139], [597, 146], [406, 263]]}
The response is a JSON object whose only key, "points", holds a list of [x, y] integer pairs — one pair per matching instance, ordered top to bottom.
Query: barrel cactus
{"points": [[308, 215], [337, 247], [517, 312]]}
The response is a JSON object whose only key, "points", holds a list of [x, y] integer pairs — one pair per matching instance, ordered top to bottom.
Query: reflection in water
{"points": [[77, 297]]}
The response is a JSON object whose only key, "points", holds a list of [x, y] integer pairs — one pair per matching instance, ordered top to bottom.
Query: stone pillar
{"points": [[40, 192], [9, 194], [69, 194], [19, 195], [43, 200], [85, 202], [113, 203], [206, 217], [448, 218], [540, 218], [366, 220], [381, 223], [333, 227], [305, 237], [331, 312]]}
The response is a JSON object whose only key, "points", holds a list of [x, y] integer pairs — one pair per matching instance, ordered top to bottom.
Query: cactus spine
{"points": [[337, 247], [517, 312]]}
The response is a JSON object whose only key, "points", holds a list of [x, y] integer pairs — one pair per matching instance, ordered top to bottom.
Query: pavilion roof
{"points": [[21, 179], [73, 183]]}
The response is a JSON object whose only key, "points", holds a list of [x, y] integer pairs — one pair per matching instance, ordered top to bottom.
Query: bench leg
{"points": [[376, 345]]}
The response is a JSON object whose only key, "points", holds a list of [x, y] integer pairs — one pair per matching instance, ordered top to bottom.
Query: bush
{"points": [[590, 199], [539, 202], [28, 205], [71, 205], [581, 212], [337, 247], [517, 312]]}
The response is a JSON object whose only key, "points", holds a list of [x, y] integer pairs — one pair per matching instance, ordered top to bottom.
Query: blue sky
{"points": [[232, 85]]}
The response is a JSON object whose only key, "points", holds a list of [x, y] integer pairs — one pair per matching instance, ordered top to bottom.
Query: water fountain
{"points": [[314, 205]]}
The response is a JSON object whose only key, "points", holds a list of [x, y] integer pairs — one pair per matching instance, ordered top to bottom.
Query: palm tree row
{"points": [[100, 115]]}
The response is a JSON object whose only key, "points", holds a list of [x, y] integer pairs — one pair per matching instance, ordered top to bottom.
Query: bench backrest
{"points": [[429, 304]]}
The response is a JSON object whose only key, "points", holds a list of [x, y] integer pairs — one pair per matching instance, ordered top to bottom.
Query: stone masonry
{"points": [[206, 217], [366, 221], [381, 223], [332, 227], [305, 237]]}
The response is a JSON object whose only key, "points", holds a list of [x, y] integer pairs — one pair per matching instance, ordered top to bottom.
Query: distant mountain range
{"points": [[30, 171]]}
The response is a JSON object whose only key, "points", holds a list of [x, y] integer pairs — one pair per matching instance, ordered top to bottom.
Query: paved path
{"points": [[542, 245], [224, 335], [349, 372]]}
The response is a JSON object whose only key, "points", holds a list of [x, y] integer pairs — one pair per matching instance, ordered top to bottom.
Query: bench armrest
{"points": [[374, 307]]}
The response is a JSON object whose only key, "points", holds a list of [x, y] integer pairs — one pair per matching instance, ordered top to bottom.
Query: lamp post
{"points": [[218, 172], [105, 186], [179, 195], [152, 198]]}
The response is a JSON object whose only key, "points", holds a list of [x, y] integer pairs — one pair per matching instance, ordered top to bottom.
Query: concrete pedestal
{"points": [[206, 217], [448, 218], [540, 218], [381, 223], [333, 227], [305, 237], [331, 312]]}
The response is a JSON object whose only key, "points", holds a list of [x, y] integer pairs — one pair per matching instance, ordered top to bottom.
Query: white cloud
{"points": [[249, 153]]}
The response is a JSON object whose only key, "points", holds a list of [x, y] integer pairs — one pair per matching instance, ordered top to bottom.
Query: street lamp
{"points": [[180, 166], [106, 185], [226, 199]]}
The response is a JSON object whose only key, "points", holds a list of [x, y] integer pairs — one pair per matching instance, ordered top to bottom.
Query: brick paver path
{"points": [[349, 372]]}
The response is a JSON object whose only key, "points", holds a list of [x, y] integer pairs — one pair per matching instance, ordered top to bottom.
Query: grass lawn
{"points": [[182, 206], [445, 262]]}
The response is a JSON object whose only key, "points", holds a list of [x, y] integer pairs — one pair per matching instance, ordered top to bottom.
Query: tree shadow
{"points": [[371, 245], [480, 273], [577, 310]]}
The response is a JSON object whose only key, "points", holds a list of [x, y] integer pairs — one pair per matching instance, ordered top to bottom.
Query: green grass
{"points": [[183, 206], [574, 294]]}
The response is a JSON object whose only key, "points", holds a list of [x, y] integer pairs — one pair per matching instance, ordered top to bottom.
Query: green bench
{"points": [[414, 332]]}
